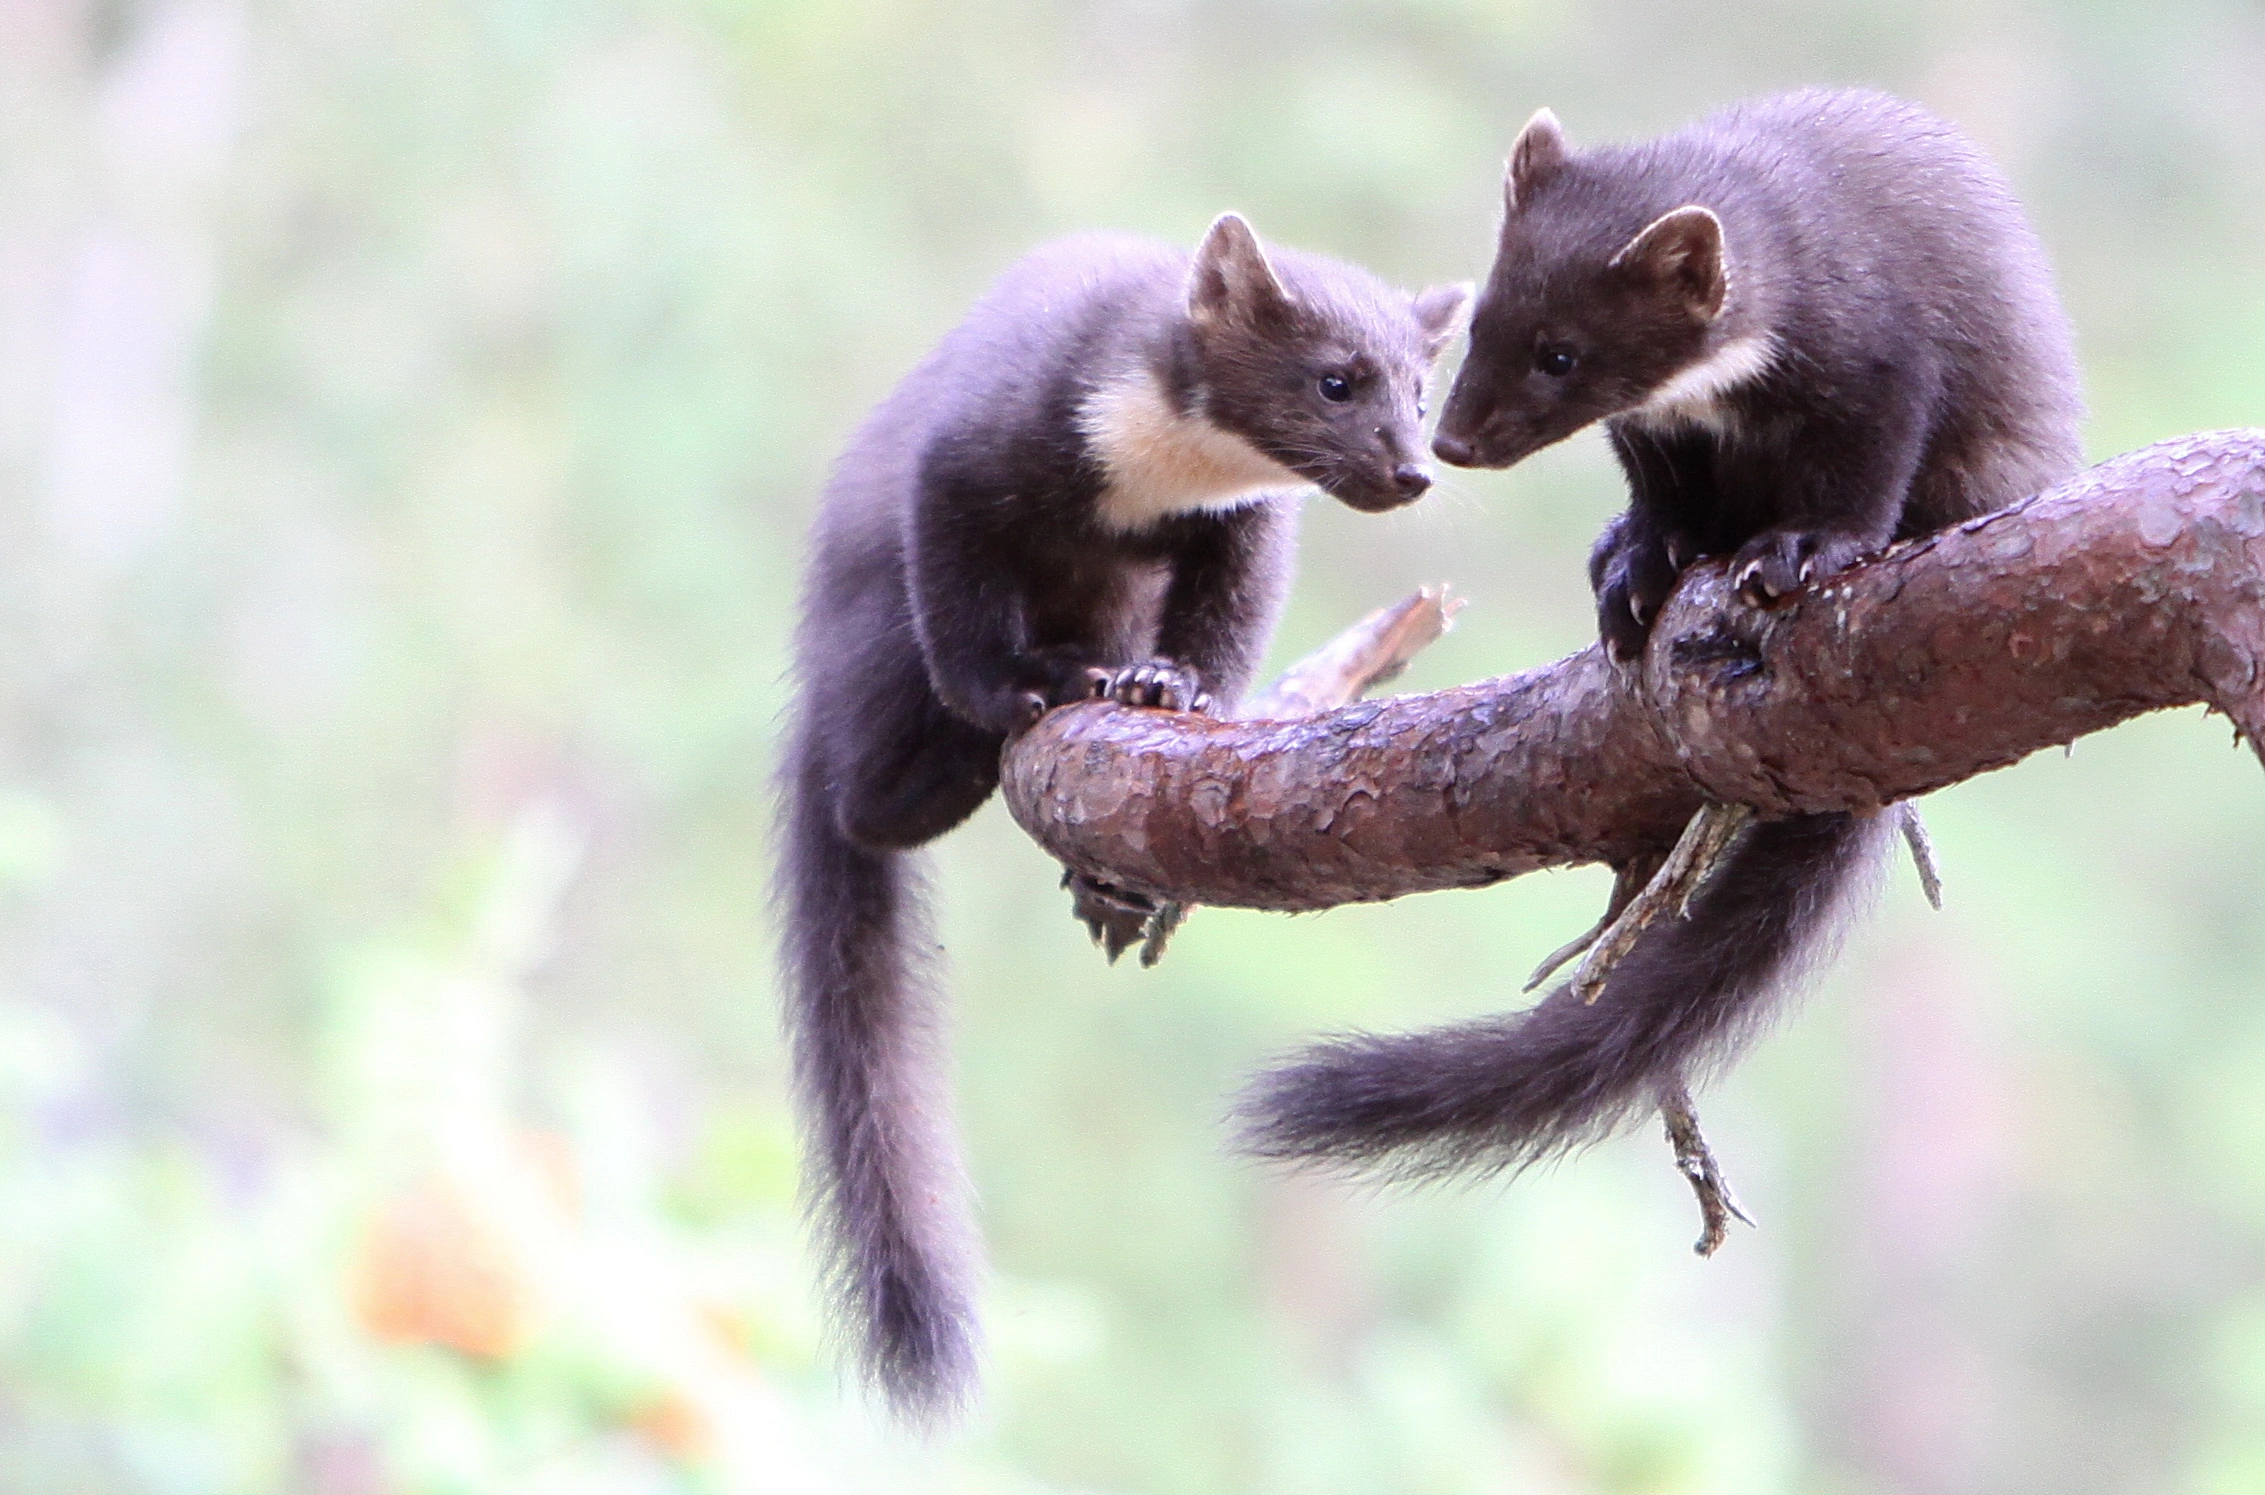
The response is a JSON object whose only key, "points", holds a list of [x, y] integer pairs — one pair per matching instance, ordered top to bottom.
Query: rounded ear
{"points": [[1535, 156], [1681, 252], [1231, 279], [1438, 311]]}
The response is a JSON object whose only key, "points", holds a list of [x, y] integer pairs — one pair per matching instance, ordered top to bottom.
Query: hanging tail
{"points": [[1503, 1092], [885, 1190]]}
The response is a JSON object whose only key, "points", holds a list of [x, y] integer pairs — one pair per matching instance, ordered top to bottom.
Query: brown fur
{"points": [[1813, 324], [1100, 465]]}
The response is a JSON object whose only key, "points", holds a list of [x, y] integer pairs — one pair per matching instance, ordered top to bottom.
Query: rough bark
{"points": [[2132, 587]]}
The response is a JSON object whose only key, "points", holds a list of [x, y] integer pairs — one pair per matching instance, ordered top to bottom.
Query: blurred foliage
{"points": [[408, 417]]}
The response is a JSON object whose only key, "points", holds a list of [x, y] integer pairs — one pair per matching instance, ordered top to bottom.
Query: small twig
{"points": [[1370, 653], [1706, 844], [1922, 853], [1627, 882], [1168, 917], [1119, 918], [1556, 958], [1695, 1160]]}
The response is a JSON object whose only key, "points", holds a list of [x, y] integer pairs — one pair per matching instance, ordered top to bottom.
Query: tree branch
{"points": [[2132, 587], [1371, 652]]}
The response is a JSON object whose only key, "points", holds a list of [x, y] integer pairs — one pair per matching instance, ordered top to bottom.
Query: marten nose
{"points": [[1452, 449], [1411, 479]]}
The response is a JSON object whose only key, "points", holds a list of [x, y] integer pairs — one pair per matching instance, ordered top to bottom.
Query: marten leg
{"points": [[1842, 503], [1635, 563], [1230, 574], [903, 768], [911, 792]]}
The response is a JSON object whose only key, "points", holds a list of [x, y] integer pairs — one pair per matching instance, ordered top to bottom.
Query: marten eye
{"points": [[1555, 359], [1336, 388]]}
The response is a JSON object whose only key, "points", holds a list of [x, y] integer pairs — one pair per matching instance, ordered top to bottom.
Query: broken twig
{"points": [[1705, 844], [1922, 853], [1717, 1205]]}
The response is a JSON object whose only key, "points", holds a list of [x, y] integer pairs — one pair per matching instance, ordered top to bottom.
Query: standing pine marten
{"points": [[1812, 324], [1090, 486]]}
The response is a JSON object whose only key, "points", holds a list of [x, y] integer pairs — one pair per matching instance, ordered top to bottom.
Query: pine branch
{"points": [[2135, 586]]}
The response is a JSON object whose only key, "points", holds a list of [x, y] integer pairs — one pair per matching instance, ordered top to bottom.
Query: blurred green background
{"points": [[409, 413]]}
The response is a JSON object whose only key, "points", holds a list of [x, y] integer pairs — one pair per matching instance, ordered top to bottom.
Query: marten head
{"points": [[1596, 306], [1317, 365]]}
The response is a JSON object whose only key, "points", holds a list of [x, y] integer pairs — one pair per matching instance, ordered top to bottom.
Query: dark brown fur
{"points": [[1918, 370], [989, 547]]}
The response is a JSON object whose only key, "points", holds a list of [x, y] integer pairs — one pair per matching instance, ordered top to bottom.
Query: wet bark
{"points": [[2136, 585]]}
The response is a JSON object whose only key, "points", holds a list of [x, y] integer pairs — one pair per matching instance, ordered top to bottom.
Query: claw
{"points": [[1158, 683]]}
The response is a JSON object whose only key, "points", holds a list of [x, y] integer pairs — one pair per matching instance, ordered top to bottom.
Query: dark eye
{"points": [[1555, 360], [1336, 388]]}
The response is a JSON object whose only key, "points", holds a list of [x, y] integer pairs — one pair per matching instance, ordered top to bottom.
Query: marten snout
{"points": [[1487, 446], [1398, 474], [1382, 481]]}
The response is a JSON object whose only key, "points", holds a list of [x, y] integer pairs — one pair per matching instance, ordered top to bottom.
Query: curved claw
{"points": [[1777, 563], [1632, 569], [1159, 683]]}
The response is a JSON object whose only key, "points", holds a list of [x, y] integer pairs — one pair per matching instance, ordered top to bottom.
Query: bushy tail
{"points": [[1503, 1092], [885, 1189]]}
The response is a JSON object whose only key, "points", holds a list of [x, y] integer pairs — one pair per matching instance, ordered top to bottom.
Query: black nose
{"points": [[1452, 449], [1411, 479]]}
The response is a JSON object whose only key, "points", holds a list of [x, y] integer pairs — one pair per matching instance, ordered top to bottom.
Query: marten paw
{"points": [[1779, 562], [1633, 569], [1622, 622], [1041, 681], [1159, 683], [1015, 711]]}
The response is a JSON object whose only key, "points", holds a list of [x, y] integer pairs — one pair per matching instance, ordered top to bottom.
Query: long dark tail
{"points": [[1503, 1092], [885, 1190]]}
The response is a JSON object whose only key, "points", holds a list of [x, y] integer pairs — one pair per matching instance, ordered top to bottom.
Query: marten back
{"points": [[1866, 228]]}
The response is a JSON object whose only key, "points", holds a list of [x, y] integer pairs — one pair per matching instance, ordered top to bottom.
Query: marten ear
{"points": [[1535, 156], [1682, 253], [1231, 281], [1439, 311]]}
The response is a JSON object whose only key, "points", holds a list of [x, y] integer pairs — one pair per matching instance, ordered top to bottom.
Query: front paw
{"points": [[1779, 562], [1633, 571], [1622, 622], [1040, 682], [1160, 683]]}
